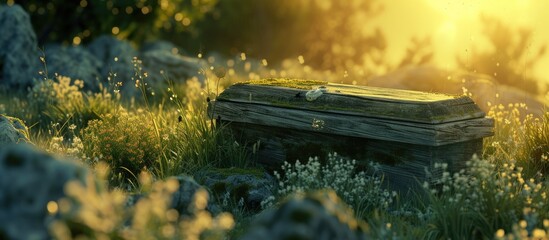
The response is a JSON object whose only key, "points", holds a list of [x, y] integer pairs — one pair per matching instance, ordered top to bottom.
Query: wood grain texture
{"points": [[402, 105], [352, 125], [403, 132], [403, 166]]}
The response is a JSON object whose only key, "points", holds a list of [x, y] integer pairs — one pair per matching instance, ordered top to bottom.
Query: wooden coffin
{"points": [[404, 132]]}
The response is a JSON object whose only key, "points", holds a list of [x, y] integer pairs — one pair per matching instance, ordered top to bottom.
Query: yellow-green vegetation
{"points": [[287, 82], [62, 100], [521, 138], [126, 141], [138, 147], [501, 194], [91, 211]]}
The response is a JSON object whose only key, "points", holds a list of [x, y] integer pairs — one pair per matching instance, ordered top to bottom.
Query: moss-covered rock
{"points": [[12, 130], [251, 185], [183, 197]]}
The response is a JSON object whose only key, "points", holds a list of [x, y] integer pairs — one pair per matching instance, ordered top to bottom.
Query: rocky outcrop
{"points": [[161, 45], [19, 53], [117, 57], [75, 62], [162, 65], [483, 88], [12, 130], [29, 179], [252, 188], [183, 197], [319, 215]]}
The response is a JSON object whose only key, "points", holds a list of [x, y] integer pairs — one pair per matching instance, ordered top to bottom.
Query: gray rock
{"points": [[161, 45], [19, 53], [117, 57], [75, 62], [162, 65], [12, 130], [29, 179], [252, 188], [183, 197], [320, 215]]}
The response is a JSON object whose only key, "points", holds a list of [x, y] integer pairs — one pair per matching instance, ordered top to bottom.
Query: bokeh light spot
{"points": [[83, 3], [129, 10], [145, 10], [178, 17], [186, 22], [115, 30], [76, 40], [52, 207]]}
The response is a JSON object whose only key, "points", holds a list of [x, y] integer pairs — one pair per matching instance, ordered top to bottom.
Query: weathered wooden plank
{"points": [[363, 101], [352, 125], [405, 132], [404, 166]]}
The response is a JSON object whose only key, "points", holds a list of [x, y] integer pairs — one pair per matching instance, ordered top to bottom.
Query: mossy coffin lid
{"points": [[433, 118]]}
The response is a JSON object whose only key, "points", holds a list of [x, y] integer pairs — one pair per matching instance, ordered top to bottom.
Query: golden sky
{"points": [[454, 25]]}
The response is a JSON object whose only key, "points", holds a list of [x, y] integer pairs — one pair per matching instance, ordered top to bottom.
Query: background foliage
{"points": [[138, 20]]}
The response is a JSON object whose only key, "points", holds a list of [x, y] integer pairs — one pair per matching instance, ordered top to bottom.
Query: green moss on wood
{"points": [[287, 82]]}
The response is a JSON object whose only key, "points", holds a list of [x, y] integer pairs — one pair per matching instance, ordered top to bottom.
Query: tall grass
{"points": [[520, 138], [501, 194]]}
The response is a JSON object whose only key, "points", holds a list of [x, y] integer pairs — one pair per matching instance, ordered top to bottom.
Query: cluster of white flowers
{"points": [[72, 147], [361, 191]]}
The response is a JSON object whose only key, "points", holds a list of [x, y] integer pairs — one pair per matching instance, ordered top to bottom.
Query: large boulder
{"points": [[161, 45], [19, 53], [117, 57], [75, 62], [162, 65], [483, 88], [12, 130], [29, 180], [250, 186], [183, 197], [319, 215]]}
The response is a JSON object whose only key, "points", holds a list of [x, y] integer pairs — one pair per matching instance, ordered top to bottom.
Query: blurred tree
{"points": [[79, 21], [329, 34], [419, 52], [511, 58]]}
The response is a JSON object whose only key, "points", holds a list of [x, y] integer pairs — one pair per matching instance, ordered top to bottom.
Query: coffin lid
{"points": [[365, 101], [358, 111]]}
